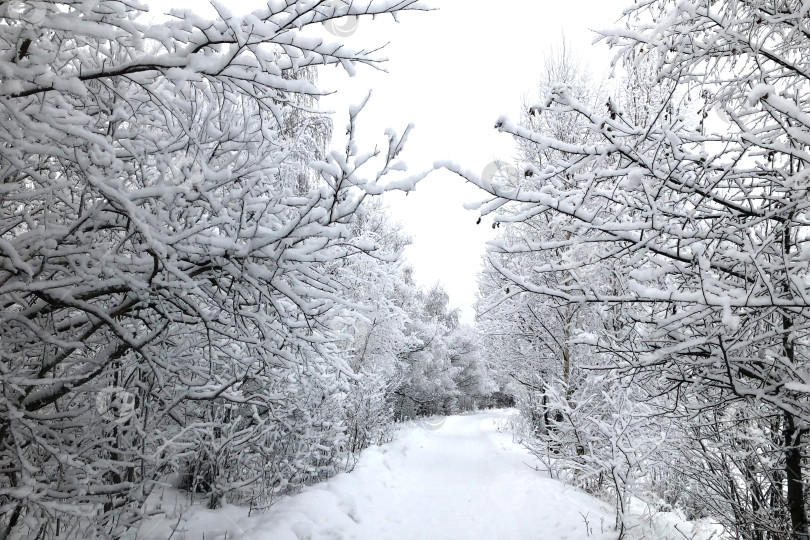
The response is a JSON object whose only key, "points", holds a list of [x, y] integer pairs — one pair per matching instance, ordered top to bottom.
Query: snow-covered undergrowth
{"points": [[457, 477], [644, 522]]}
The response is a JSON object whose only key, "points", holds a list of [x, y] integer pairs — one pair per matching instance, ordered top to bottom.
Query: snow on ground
{"points": [[456, 478]]}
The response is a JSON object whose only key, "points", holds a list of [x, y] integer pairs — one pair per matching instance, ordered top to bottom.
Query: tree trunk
{"points": [[793, 455], [795, 485]]}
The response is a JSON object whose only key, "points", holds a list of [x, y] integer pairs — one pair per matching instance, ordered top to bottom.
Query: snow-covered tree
{"points": [[701, 201], [171, 231], [533, 337]]}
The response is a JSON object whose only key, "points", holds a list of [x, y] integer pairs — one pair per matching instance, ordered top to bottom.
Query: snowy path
{"points": [[458, 478], [462, 480]]}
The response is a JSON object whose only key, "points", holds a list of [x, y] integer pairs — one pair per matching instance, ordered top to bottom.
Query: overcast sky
{"points": [[453, 72]]}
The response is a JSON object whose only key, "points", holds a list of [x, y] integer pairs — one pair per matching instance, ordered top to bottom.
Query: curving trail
{"points": [[459, 478]]}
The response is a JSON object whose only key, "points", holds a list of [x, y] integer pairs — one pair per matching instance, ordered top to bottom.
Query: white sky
{"points": [[453, 72]]}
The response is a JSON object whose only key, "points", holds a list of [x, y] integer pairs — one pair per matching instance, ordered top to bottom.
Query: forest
{"points": [[198, 290]]}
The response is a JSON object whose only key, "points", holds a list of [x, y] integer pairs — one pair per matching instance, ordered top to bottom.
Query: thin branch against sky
{"points": [[453, 72]]}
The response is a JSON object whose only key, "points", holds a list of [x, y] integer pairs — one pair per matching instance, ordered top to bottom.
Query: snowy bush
{"points": [[170, 230], [685, 235]]}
